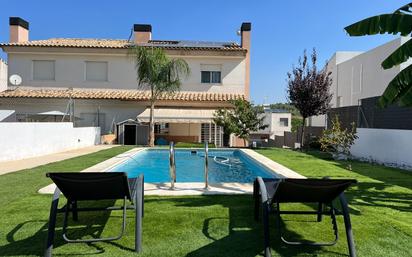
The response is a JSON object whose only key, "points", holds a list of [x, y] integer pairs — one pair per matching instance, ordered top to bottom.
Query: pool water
{"points": [[224, 166]]}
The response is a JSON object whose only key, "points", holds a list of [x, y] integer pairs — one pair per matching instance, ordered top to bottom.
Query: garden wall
{"points": [[20, 140], [391, 147]]}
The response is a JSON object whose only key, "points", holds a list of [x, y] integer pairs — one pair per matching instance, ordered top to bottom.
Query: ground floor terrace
{"points": [[184, 117], [218, 225]]}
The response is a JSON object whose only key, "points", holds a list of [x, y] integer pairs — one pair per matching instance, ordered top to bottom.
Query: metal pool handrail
{"points": [[172, 165], [206, 165]]}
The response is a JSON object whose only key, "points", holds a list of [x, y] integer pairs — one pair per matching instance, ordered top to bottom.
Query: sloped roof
{"points": [[124, 44], [116, 94]]}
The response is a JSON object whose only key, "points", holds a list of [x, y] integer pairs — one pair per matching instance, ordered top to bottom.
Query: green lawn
{"points": [[214, 225]]}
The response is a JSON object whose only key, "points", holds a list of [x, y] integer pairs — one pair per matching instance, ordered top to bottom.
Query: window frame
{"points": [[33, 70], [85, 71], [210, 77], [281, 124]]}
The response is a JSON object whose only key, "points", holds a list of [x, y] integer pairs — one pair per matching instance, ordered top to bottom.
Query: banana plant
{"points": [[399, 90]]}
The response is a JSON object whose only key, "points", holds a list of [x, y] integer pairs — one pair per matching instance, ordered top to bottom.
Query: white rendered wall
{"points": [[70, 71], [3, 75], [357, 75], [360, 75], [114, 111], [272, 119], [275, 128], [19, 140], [386, 146]]}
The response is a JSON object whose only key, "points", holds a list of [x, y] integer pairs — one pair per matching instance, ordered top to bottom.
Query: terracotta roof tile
{"points": [[124, 44], [115, 94]]}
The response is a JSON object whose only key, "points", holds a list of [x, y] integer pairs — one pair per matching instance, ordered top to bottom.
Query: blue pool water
{"points": [[228, 166]]}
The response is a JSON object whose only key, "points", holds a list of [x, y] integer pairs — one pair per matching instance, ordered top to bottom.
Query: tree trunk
{"points": [[151, 125], [302, 136], [244, 142]]}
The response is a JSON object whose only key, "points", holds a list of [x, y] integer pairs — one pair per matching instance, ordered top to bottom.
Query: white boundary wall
{"points": [[19, 140], [386, 146]]}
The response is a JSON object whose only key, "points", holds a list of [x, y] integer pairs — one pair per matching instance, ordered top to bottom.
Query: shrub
{"points": [[337, 140]]}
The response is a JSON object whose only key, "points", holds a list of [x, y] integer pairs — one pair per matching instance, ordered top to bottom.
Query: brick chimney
{"points": [[19, 30], [142, 33], [245, 43]]}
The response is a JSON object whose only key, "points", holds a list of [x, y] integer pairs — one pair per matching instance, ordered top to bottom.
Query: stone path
{"points": [[11, 166]]}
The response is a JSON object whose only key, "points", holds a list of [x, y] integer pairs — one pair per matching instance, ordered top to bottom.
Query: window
{"points": [[43, 70], [96, 71], [211, 73], [211, 77], [284, 122], [161, 128], [211, 133]]}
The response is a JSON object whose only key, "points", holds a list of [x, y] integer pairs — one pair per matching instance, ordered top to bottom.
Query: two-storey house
{"points": [[92, 82]]}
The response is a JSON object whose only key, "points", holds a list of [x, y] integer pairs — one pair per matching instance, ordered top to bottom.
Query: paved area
{"points": [[11, 166], [191, 188]]}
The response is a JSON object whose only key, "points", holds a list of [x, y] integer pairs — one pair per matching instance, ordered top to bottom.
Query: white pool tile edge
{"points": [[278, 169], [191, 188]]}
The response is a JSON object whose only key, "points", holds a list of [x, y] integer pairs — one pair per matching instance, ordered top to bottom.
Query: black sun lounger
{"points": [[94, 186], [270, 193]]}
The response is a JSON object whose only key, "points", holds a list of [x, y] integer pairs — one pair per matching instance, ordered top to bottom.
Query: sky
{"points": [[281, 29]]}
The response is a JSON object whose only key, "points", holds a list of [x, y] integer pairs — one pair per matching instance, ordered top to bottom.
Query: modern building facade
{"points": [[359, 75], [92, 82], [278, 121]]}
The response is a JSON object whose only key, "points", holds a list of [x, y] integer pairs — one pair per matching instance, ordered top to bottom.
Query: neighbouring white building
{"points": [[359, 75], [93, 82], [278, 121], [385, 135]]}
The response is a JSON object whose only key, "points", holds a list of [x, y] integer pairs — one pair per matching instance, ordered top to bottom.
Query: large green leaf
{"points": [[405, 8], [395, 23], [400, 55], [397, 88], [406, 98]]}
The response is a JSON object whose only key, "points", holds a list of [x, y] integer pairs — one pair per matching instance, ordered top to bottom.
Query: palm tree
{"points": [[399, 22], [159, 74]]}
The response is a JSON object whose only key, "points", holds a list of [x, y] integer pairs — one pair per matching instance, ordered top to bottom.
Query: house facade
{"points": [[359, 75], [92, 82], [278, 121]]}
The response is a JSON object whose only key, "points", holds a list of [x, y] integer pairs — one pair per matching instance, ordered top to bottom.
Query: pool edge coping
{"points": [[191, 188]]}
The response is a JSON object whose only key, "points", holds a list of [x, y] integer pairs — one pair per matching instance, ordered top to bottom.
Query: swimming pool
{"points": [[224, 166]]}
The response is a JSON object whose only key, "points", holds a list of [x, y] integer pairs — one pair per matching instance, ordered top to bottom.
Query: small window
{"points": [[43, 70], [96, 71], [205, 76], [211, 77], [284, 122], [161, 128]]}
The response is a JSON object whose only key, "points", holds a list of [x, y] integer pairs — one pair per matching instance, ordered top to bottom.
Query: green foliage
{"points": [[156, 71], [159, 74], [399, 90], [286, 106], [243, 119], [296, 123], [337, 140]]}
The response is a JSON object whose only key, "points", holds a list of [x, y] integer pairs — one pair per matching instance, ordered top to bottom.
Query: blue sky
{"points": [[281, 30]]}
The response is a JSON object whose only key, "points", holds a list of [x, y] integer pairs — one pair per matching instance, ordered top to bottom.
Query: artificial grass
{"points": [[214, 225]]}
